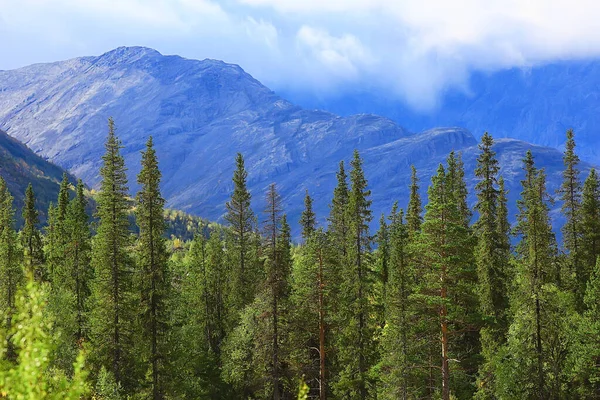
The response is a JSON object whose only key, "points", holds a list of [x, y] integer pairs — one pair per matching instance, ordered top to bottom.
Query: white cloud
{"points": [[414, 48]]}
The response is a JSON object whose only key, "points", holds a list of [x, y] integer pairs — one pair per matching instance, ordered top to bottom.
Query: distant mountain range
{"points": [[535, 104], [201, 113], [19, 166]]}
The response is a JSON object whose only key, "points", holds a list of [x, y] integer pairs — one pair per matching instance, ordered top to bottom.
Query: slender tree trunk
{"points": [[445, 366], [322, 371]]}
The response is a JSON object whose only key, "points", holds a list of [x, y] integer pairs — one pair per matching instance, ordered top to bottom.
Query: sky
{"points": [[413, 49]]}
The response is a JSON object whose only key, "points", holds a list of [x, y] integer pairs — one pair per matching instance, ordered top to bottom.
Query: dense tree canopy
{"points": [[434, 304]]}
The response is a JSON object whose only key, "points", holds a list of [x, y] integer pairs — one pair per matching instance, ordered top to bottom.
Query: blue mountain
{"points": [[535, 104], [201, 113]]}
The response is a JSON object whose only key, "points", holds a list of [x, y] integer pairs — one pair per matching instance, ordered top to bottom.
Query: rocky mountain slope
{"points": [[535, 104], [201, 113]]}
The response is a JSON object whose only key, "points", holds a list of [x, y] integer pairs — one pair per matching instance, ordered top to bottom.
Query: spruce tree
{"points": [[570, 195], [414, 210], [338, 218], [241, 220], [308, 221], [590, 227], [56, 233], [31, 239], [277, 239], [78, 253], [382, 259], [491, 260], [152, 263], [11, 273], [447, 287], [112, 298], [313, 298], [196, 321], [400, 342], [356, 350], [532, 364]]}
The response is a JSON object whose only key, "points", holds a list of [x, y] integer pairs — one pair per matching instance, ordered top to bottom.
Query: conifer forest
{"points": [[444, 300]]}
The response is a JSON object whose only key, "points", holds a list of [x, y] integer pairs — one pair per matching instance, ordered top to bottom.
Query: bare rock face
{"points": [[201, 113]]}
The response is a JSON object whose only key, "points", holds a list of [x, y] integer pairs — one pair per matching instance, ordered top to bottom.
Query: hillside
{"points": [[201, 113], [19, 166]]}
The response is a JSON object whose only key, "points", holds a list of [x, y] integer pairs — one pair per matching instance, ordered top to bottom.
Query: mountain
{"points": [[535, 104], [201, 113], [19, 166]]}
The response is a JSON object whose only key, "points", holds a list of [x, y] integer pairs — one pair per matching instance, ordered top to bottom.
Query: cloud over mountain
{"points": [[415, 50]]}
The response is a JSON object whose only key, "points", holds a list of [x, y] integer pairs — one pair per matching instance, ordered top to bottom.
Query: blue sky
{"points": [[414, 49]]}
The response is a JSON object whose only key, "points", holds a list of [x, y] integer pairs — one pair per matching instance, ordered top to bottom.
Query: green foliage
{"points": [[308, 219], [242, 222], [31, 239], [153, 274], [112, 298], [429, 307], [31, 376]]}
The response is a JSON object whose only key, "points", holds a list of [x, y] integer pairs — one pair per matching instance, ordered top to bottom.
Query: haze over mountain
{"points": [[536, 104], [201, 113]]}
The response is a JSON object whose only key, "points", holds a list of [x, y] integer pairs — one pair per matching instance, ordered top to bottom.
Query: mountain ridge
{"points": [[201, 113]]}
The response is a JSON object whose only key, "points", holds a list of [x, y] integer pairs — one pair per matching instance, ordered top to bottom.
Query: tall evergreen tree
{"points": [[457, 185], [570, 195], [415, 208], [338, 218], [241, 220], [308, 221], [590, 226], [56, 233], [31, 239], [277, 249], [446, 251], [78, 252], [152, 258], [491, 260], [382, 261], [11, 273], [112, 298], [313, 298], [356, 351], [532, 363], [400, 379]]}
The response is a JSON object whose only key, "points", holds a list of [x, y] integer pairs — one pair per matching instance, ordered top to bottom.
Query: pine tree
{"points": [[458, 186], [570, 195], [414, 210], [241, 220], [308, 221], [338, 223], [590, 226], [56, 233], [31, 239], [277, 249], [446, 251], [78, 252], [152, 259], [382, 259], [491, 260], [11, 273], [71, 276], [112, 297], [196, 320], [400, 342], [355, 347], [532, 364]]}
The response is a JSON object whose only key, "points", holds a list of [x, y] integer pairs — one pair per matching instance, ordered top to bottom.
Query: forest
{"points": [[443, 301]]}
